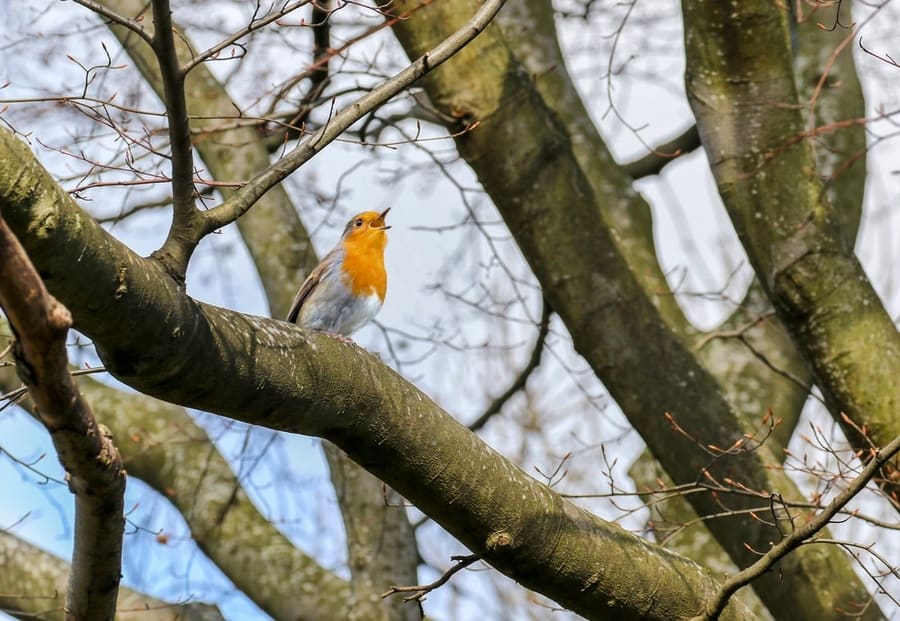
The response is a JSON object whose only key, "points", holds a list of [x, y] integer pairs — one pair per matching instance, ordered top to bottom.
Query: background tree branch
{"points": [[793, 236], [617, 328], [162, 446], [32, 582]]}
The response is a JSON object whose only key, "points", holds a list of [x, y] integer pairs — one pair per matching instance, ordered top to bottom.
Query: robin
{"points": [[346, 289]]}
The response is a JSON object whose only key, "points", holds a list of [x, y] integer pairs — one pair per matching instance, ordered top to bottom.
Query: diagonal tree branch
{"points": [[283, 254], [272, 373], [522, 378], [92, 463]]}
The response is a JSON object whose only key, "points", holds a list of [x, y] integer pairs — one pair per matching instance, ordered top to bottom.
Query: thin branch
{"points": [[104, 11], [254, 25], [322, 53], [885, 58], [294, 123], [656, 160], [244, 198], [126, 212], [184, 232], [734, 332], [740, 333], [520, 381], [93, 467], [420, 591], [716, 605]]}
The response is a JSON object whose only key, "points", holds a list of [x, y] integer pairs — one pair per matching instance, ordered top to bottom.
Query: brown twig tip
{"points": [[420, 591]]}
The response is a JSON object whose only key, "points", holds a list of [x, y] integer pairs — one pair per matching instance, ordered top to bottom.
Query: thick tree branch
{"points": [[531, 36], [827, 81], [244, 198], [794, 238], [283, 254], [644, 365], [272, 373], [745, 380], [93, 467]]}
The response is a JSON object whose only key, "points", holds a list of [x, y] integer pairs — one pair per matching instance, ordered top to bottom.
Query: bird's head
{"points": [[367, 228]]}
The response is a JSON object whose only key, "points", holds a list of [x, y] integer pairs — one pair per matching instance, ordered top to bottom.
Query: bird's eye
{"points": [[358, 222]]}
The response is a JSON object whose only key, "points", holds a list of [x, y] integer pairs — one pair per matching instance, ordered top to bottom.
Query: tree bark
{"points": [[741, 85], [524, 159], [273, 374]]}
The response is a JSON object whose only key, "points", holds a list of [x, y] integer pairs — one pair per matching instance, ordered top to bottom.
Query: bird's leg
{"points": [[341, 337]]}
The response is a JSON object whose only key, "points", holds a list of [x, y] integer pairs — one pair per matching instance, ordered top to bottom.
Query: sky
{"points": [[432, 263]]}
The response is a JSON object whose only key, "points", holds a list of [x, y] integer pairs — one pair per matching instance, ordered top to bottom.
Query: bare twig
{"points": [[104, 11], [253, 25], [321, 55], [885, 58], [294, 123], [244, 198], [733, 333], [740, 333], [521, 379], [93, 467], [420, 591], [716, 605]]}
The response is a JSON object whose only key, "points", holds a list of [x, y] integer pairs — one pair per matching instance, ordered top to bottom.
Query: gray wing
{"points": [[310, 284], [305, 289]]}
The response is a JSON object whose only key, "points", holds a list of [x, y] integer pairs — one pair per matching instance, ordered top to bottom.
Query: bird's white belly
{"points": [[337, 310]]}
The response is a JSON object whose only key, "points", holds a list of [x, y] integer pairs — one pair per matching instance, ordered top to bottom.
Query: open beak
{"points": [[381, 217]]}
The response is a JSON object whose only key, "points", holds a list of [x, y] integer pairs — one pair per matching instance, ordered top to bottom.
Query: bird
{"points": [[346, 289]]}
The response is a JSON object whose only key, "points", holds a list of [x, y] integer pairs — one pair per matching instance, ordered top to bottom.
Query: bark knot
{"points": [[121, 278], [498, 540]]}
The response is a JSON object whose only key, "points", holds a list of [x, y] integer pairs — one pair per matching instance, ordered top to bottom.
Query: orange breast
{"points": [[364, 265]]}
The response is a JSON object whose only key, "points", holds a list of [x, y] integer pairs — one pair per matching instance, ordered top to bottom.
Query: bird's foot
{"points": [[341, 337]]}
